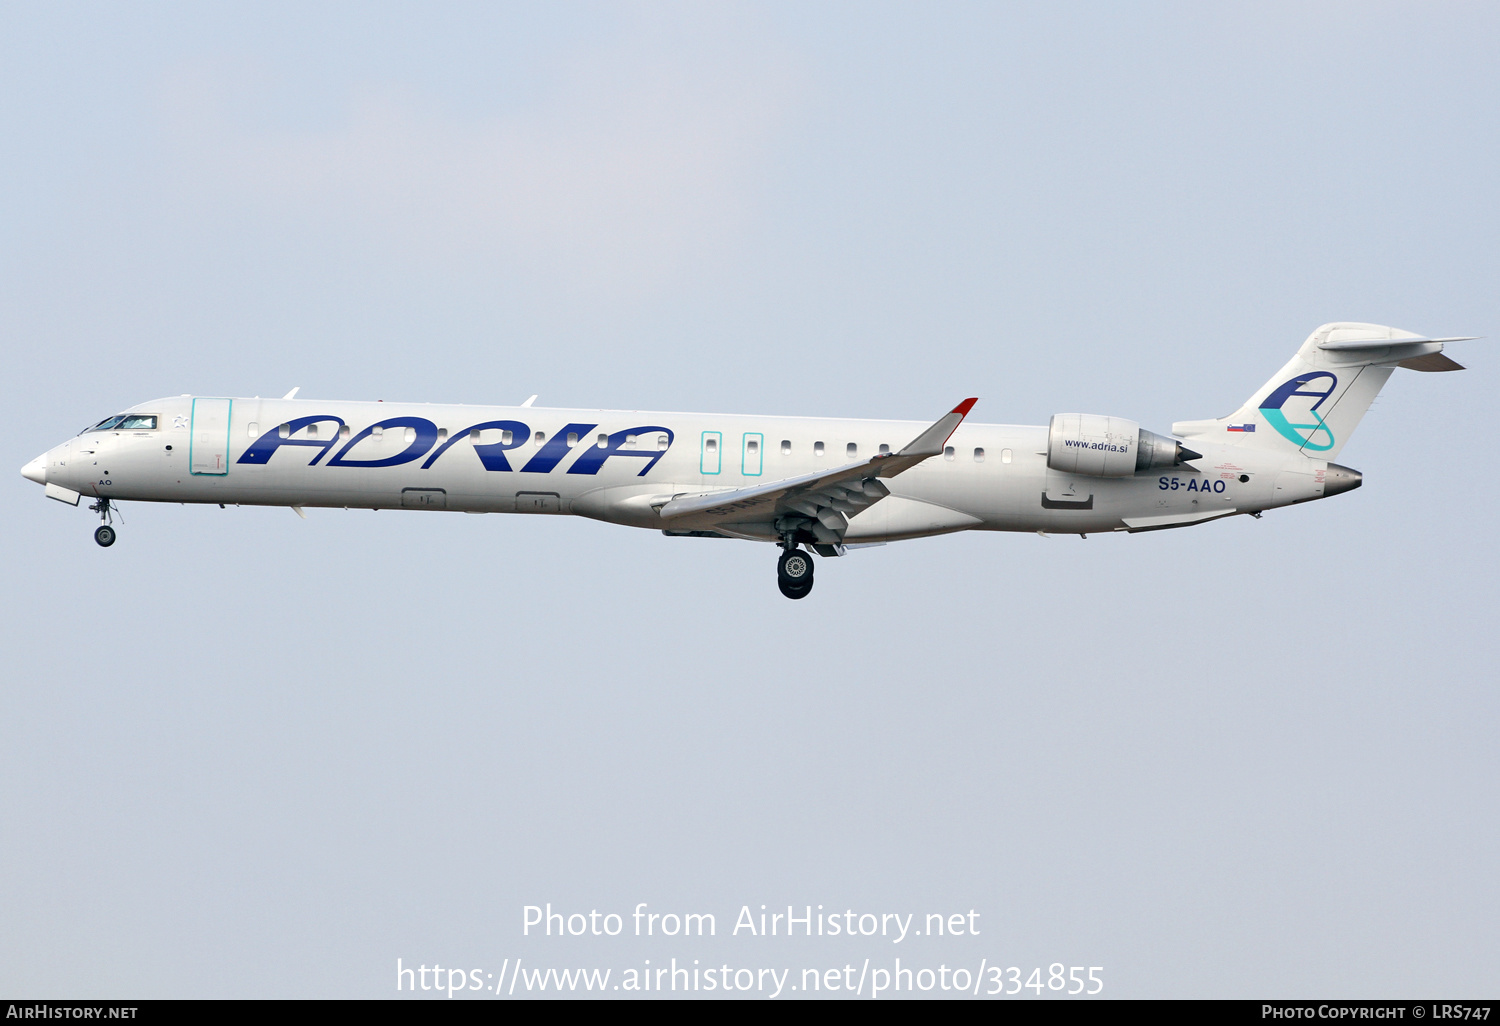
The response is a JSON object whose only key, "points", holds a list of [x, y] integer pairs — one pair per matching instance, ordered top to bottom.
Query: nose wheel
{"points": [[105, 534], [794, 573]]}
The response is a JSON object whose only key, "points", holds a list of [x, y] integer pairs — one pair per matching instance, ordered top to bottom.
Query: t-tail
{"points": [[1316, 400]]}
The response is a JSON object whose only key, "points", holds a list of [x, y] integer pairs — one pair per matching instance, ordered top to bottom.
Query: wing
{"points": [[814, 508]]}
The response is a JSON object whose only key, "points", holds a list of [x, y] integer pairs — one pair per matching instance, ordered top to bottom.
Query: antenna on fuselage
{"points": [[292, 393], [528, 402]]}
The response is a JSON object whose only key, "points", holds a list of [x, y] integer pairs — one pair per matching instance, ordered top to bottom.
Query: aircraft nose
{"points": [[36, 470]]}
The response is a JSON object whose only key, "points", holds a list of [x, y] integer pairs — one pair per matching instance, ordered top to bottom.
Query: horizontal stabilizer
{"points": [[1377, 343]]}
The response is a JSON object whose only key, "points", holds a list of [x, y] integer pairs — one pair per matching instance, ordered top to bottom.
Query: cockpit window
{"points": [[124, 422]]}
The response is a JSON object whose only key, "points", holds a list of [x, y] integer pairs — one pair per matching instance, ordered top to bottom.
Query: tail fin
{"points": [[1316, 400]]}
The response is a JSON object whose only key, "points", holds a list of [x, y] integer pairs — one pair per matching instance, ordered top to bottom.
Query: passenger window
{"points": [[138, 422], [252, 429], [284, 431], [312, 431], [344, 431], [375, 432], [409, 435], [443, 435], [541, 436], [505, 437], [572, 438], [603, 441], [630, 441], [661, 442], [711, 444], [753, 447], [786, 447], [817, 448], [884, 449], [851, 450], [947, 452], [978, 455], [1004, 455]]}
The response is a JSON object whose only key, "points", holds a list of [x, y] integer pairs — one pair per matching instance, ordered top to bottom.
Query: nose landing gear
{"points": [[105, 534], [794, 573]]}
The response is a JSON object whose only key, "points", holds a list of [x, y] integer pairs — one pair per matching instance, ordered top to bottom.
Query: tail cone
{"points": [[1340, 479]]}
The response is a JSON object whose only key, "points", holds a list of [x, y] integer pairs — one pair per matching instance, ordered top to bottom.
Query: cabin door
{"points": [[208, 440]]}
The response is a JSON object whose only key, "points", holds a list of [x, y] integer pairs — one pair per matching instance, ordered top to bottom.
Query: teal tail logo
{"points": [[1318, 436]]}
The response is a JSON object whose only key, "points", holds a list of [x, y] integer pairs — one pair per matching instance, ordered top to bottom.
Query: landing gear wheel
{"points": [[105, 535], [794, 568], [795, 591]]}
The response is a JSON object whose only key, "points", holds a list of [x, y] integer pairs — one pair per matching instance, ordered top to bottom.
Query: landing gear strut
{"points": [[105, 535], [794, 573]]}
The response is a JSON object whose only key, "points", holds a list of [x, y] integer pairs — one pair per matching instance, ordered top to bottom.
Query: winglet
{"points": [[931, 441]]}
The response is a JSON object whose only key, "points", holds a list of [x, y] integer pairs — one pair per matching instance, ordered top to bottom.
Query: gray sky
{"points": [[247, 755]]}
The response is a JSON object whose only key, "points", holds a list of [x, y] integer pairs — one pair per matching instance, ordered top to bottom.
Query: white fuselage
{"points": [[622, 466]]}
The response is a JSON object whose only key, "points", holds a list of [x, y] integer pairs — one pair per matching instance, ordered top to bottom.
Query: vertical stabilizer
{"points": [[1316, 400]]}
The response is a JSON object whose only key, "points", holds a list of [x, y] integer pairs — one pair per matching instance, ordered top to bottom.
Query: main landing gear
{"points": [[105, 535], [794, 573]]}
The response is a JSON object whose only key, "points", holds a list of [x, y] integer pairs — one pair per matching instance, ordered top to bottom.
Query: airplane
{"points": [[808, 485]]}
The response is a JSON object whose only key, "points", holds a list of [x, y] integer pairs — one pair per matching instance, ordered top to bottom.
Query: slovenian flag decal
{"points": [[1242, 427]]}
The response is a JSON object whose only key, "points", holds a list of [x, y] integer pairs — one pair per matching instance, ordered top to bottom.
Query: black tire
{"points": [[105, 536], [794, 567], [795, 591]]}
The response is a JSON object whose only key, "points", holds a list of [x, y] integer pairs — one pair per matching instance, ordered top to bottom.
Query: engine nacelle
{"points": [[1086, 443]]}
